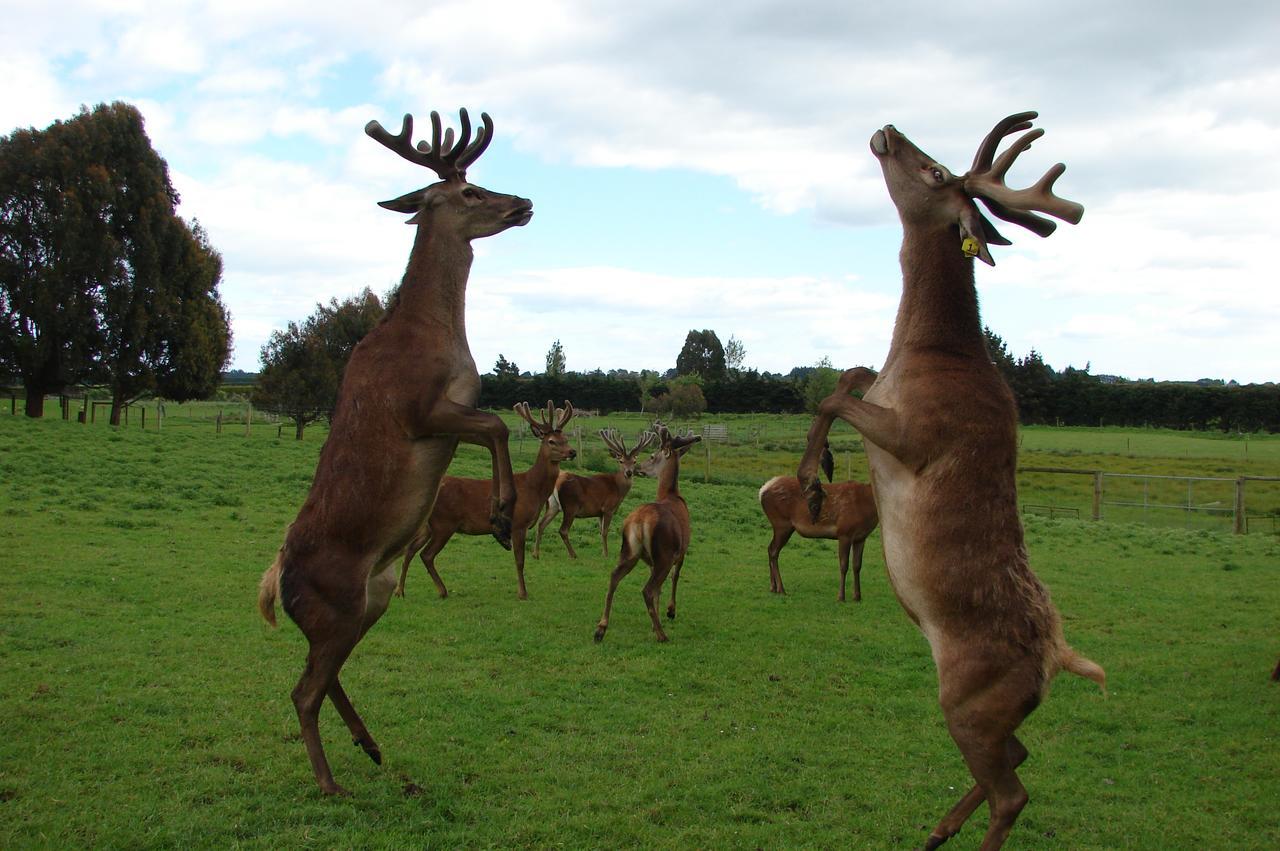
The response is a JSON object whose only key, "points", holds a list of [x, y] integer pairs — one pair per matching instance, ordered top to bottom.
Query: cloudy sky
{"points": [[706, 165]]}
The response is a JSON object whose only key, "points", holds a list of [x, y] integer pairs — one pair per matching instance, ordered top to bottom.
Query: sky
{"points": [[707, 165]]}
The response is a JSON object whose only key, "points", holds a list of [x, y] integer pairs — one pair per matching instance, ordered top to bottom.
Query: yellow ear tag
{"points": [[969, 246]]}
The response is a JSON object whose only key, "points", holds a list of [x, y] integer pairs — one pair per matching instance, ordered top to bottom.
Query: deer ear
{"points": [[408, 203], [973, 234]]}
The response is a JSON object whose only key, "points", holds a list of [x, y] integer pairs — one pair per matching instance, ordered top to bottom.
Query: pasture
{"points": [[146, 704]]}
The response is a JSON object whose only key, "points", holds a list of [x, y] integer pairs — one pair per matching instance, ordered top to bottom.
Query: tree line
{"points": [[101, 282], [300, 380]]}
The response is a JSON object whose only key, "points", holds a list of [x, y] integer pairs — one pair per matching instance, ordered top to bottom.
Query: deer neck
{"points": [[434, 289], [939, 306], [544, 472], [669, 479], [623, 483]]}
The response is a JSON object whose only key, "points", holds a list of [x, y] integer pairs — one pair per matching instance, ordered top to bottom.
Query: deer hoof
{"points": [[671, 614], [599, 634], [371, 749], [334, 790]]}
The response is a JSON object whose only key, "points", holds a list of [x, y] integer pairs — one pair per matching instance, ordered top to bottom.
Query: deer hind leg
{"points": [[566, 525], [780, 538], [518, 541], [428, 556], [626, 561], [675, 580], [652, 590], [332, 633], [982, 724], [959, 814]]}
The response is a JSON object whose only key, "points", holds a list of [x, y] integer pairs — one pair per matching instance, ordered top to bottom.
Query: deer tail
{"points": [[269, 590], [1080, 666]]}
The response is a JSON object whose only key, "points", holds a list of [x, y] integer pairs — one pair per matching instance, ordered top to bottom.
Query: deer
{"points": [[407, 398], [940, 429], [593, 496], [461, 504], [848, 516], [657, 532]]}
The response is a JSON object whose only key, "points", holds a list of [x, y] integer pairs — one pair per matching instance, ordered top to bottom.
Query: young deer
{"points": [[407, 398], [941, 437], [593, 496], [461, 505], [848, 516], [657, 532]]}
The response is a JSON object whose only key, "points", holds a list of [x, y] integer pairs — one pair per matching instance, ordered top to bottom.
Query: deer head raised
{"points": [[927, 193], [471, 211], [669, 446]]}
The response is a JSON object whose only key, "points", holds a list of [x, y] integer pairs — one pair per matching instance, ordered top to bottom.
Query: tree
{"points": [[55, 247], [102, 279], [734, 354], [702, 355], [1000, 355], [555, 359], [302, 366], [505, 368], [647, 381], [819, 384], [686, 398]]}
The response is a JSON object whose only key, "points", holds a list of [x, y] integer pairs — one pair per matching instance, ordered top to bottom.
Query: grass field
{"points": [[145, 704]]}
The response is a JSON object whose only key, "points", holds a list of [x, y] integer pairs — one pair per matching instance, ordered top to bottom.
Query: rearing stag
{"points": [[407, 398], [941, 437]]}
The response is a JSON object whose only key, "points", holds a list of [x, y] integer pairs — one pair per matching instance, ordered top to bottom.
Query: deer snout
{"points": [[880, 141], [521, 212]]}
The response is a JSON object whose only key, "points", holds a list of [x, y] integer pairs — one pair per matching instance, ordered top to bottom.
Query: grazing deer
{"points": [[407, 398], [941, 435], [593, 496], [461, 504], [848, 516], [657, 532]]}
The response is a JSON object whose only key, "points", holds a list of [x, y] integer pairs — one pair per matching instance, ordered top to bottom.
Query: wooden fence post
{"points": [[144, 417], [248, 419], [219, 421], [706, 476], [1097, 495], [1240, 526]]}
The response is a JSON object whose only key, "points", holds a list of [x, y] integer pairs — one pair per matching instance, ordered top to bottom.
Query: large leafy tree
{"points": [[55, 248], [101, 279], [701, 355], [555, 359], [302, 365]]}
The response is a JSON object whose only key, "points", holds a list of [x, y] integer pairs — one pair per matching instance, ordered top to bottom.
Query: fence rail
{"points": [[1238, 512]]}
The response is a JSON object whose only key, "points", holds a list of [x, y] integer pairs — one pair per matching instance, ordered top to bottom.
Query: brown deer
{"points": [[407, 398], [941, 436], [593, 496], [462, 503], [848, 516], [657, 532]]}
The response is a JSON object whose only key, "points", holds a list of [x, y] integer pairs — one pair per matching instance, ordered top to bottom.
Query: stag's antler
{"points": [[442, 156], [985, 180], [552, 419], [617, 444]]}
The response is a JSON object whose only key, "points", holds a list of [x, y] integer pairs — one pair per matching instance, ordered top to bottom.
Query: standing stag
{"points": [[407, 398], [941, 436], [593, 496], [461, 505], [848, 516], [657, 532]]}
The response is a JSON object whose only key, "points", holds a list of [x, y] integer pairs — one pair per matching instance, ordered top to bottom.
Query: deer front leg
{"points": [[480, 429], [552, 508], [605, 519]]}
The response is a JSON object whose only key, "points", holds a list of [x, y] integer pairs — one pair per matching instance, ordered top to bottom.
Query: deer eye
{"points": [[938, 176], [470, 193]]}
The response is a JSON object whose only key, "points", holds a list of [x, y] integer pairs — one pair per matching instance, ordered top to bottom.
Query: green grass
{"points": [[145, 703]]}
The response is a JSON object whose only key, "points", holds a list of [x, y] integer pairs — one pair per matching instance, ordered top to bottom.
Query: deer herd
{"points": [[937, 421]]}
